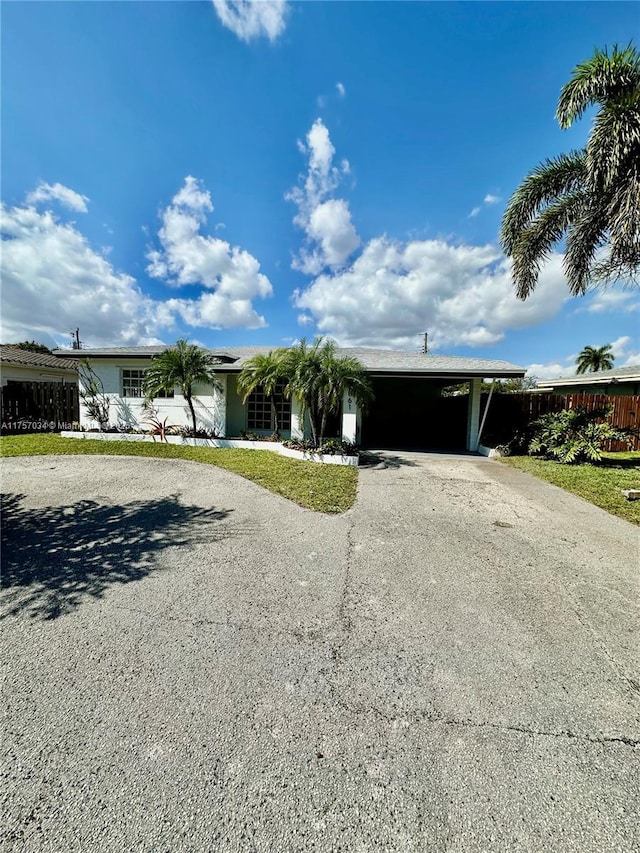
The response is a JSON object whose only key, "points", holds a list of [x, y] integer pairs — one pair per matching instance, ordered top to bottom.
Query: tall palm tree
{"points": [[590, 197], [594, 359], [182, 366], [265, 372], [318, 377]]}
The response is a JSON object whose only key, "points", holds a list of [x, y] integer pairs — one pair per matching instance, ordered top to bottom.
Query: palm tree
{"points": [[590, 197], [594, 359], [181, 366], [301, 369], [265, 372], [340, 374], [319, 378]]}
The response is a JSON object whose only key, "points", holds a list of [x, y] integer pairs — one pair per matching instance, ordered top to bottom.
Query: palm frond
{"points": [[598, 80], [613, 148], [550, 180], [586, 236], [536, 241]]}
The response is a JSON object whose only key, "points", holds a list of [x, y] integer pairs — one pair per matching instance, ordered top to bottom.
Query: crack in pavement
{"points": [[436, 717]]}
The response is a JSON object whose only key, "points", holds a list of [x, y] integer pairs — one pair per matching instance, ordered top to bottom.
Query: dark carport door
{"points": [[410, 413]]}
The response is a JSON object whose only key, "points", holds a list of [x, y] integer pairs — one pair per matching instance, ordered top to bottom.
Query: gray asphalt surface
{"points": [[191, 663]]}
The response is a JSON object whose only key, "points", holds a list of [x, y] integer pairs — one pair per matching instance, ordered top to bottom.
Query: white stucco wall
{"points": [[209, 403], [473, 413], [351, 420]]}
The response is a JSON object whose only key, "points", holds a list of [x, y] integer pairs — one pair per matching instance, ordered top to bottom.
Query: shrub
{"points": [[574, 435], [330, 447]]}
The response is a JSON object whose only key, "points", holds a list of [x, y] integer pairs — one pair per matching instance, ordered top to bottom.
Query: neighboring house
{"points": [[21, 365], [618, 381], [37, 388], [405, 410]]}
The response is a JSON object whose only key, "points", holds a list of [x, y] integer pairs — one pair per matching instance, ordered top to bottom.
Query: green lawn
{"points": [[601, 484], [324, 488]]}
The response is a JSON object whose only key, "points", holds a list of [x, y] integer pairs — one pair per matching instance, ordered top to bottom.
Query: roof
{"points": [[136, 352], [10, 354], [378, 362], [601, 377]]}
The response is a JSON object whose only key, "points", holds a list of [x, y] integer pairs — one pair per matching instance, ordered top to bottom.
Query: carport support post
{"points": [[473, 413], [351, 419], [297, 427]]}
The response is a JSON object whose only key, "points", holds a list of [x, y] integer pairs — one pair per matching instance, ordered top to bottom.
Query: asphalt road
{"points": [[191, 663]]}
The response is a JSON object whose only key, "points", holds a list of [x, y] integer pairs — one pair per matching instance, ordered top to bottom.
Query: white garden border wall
{"points": [[238, 444], [491, 452]]}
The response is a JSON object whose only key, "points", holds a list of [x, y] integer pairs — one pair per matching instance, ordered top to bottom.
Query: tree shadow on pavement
{"points": [[384, 458], [54, 558]]}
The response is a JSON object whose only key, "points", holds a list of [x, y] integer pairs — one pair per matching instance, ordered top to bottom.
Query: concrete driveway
{"points": [[191, 663]]}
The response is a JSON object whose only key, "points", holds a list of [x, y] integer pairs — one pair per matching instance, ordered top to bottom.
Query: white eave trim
{"points": [[588, 380]]}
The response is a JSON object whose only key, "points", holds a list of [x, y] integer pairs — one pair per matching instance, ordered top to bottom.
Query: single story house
{"points": [[21, 365], [617, 381], [37, 388], [405, 411]]}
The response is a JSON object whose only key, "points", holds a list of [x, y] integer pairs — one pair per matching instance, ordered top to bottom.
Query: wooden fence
{"points": [[38, 406], [509, 413]]}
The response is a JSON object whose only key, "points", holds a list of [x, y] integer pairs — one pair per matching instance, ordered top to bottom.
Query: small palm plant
{"points": [[594, 359], [183, 366], [263, 372], [340, 375], [318, 377], [574, 435]]}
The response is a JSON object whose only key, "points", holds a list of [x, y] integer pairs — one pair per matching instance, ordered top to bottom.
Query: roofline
{"points": [[78, 354], [9, 362], [230, 365], [381, 373], [444, 374], [588, 379]]}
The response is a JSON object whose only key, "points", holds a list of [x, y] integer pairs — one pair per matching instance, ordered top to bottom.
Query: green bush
{"points": [[574, 435]]}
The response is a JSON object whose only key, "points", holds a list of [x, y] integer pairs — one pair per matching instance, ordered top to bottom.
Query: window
{"points": [[132, 381], [132, 385], [260, 415]]}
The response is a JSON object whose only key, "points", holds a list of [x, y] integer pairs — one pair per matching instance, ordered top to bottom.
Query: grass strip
{"points": [[600, 484], [323, 488]]}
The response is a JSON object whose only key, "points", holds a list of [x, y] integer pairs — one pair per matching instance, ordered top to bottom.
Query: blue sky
{"points": [[248, 174]]}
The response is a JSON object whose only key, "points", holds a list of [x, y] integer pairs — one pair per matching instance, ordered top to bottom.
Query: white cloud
{"points": [[253, 19], [341, 89], [320, 150], [57, 192], [489, 199], [331, 227], [331, 237], [186, 257], [53, 281], [394, 291], [615, 298], [216, 311], [619, 346], [622, 349], [624, 353], [631, 360], [551, 370]]}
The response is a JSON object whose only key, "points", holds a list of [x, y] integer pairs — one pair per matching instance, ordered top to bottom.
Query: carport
{"points": [[409, 410]]}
